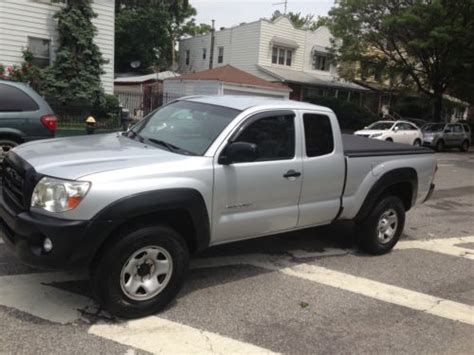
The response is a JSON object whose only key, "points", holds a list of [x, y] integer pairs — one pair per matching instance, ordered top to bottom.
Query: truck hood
{"points": [[74, 157]]}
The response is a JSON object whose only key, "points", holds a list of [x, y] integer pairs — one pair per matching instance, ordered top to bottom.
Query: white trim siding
{"points": [[20, 19]]}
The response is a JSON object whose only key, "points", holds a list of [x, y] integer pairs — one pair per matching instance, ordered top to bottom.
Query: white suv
{"points": [[393, 131]]}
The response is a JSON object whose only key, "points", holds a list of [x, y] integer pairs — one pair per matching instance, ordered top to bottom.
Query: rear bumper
{"points": [[74, 242]]}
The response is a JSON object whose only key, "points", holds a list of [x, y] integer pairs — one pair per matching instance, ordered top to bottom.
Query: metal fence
{"points": [[140, 101], [75, 116]]}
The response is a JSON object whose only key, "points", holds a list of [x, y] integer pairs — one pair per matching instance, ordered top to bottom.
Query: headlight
{"points": [[375, 135], [55, 195]]}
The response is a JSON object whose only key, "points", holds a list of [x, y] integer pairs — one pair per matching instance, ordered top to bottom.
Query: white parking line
{"points": [[443, 246], [28, 293], [391, 294], [157, 335]]}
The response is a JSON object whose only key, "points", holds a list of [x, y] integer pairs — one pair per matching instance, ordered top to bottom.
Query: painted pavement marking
{"points": [[448, 246]]}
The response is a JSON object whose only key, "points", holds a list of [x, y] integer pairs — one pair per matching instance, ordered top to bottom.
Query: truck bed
{"points": [[355, 146]]}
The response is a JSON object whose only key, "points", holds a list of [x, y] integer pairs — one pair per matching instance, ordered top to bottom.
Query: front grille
{"points": [[14, 182]]}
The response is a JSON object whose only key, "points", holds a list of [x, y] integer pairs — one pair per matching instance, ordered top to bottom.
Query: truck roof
{"points": [[238, 102]]}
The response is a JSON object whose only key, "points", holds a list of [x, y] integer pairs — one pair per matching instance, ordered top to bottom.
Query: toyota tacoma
{"points": [[200, 171]]}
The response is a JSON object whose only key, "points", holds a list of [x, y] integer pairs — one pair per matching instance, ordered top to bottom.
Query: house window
{"points": [[40, 48], [204, 53], [220, 55], [282, 56], [187, 57], [320, 61]]}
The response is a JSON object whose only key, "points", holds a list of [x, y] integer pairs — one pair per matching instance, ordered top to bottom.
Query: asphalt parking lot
{"points": [[304, 292]]}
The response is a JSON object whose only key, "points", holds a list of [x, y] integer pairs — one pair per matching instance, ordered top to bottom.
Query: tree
{"points": [[298, 20], [146, 32], [429, 41], [75, 74]]}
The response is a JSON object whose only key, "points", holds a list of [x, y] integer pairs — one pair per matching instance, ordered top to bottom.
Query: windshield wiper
{"points": [[170, 147]]}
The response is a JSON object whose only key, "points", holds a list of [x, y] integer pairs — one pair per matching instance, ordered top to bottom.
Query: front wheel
{"points": [[389, 140], [417, 143], [440, 146], [464, 146], [381, 229], [142, 272]]}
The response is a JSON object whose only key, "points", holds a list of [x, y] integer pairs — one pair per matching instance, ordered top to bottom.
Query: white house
{"points": [[30, 24], [275, 51]]}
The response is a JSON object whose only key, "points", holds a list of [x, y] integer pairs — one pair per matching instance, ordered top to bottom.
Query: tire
{"points": [[389, 140], [417, 143], [5, 146], [440, 146], [464, 146], [370, 237], [142, 251]]}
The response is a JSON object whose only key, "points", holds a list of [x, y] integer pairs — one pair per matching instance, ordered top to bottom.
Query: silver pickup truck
{"points": [[201, 171]]}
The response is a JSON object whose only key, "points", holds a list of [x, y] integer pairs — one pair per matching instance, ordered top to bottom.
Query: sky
{"points": [[228, 13]]}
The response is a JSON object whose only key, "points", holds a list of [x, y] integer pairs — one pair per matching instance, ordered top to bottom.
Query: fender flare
{"points": [[390, 178], [101, 227]]}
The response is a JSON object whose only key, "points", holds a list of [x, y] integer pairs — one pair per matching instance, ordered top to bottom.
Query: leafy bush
{"points": [[349, 115]]}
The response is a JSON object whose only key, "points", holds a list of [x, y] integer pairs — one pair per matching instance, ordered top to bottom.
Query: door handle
{"points": [[291, 173]]}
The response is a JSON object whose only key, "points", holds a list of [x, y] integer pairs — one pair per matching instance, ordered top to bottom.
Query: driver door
{"points": [[258, 197]]}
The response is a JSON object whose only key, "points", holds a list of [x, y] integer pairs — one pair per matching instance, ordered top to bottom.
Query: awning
{"points": [[284, 42], [319, 49], [310, 79]]}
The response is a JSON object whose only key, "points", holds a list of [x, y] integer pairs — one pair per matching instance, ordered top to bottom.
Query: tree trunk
{"points": [[173, 53], [438, 106]]}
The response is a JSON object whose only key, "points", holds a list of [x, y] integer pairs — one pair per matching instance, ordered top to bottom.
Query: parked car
{"points": [[24, 116], [393, 131], [447, 135], [198, 172]]}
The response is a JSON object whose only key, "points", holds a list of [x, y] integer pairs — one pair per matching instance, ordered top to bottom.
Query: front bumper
{"points": [[74, 242]]}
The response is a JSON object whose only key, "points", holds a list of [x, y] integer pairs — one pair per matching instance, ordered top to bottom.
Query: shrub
{"points": [[349, 115]]}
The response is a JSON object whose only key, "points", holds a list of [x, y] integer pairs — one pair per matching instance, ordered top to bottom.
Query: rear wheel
{"points": [[5, 146], [440, 146], [464, 146], [381, 229], [142, 272]]}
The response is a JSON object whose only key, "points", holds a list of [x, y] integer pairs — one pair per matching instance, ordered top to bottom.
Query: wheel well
{"points": [[11, 137], [402, 190], [178, 219]]}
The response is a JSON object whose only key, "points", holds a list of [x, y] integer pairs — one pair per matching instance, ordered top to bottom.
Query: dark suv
{"points": [[24, 116]]}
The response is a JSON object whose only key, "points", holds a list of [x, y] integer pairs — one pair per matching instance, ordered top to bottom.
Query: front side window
{"points": [[40, 48], [220, 56], [321, 61], [15, 100], [184, 127], [458, 129], [318, 134], [274, 137]]}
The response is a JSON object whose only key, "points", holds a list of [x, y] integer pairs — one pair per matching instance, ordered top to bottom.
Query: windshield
{"points": [[381, 125], [184, 127], [434, 127]]}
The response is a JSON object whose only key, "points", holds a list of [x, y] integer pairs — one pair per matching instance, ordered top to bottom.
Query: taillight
{"points": [[50, 122]]}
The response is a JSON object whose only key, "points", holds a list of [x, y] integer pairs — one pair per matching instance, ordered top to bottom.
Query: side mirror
{"points": [[395, 129], [238, 152]]}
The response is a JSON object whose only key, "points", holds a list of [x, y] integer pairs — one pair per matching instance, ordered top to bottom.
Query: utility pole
{"points": [[283, 3], [211, 51]]}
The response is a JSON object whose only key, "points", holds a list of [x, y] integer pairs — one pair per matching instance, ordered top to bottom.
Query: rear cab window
{"points": [[13, 99], [318, 134]]}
